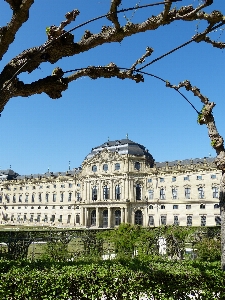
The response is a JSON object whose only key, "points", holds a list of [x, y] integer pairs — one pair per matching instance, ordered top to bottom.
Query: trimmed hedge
{"points": [[117, 279]]}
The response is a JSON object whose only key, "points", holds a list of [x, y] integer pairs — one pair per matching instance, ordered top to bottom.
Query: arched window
{"points": [[105, 167], [94, 168], [105, 192], [117, 192], [138, 192], [94, 193], [151, 206], [202, 206], [216, 206], [117, 217], [93, 218], [105, 218], [138, 218]]}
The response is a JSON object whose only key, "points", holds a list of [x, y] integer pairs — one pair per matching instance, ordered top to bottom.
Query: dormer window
{"points": [[137, 165], [117, 166], [105, 167], [94, 168]]}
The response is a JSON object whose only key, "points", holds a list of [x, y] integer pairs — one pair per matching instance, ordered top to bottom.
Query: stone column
{"points": [[99, 191], [122, 214], [125, 214], [87, 217], [97, 217], [109, 217]]}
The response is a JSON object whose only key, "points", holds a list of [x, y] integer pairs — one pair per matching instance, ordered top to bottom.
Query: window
{"points": [[137, 165], [117, 166], [105, 167], [94, 168], [213, 176], [199, 177], [174, 178], [187, 178], [161, 179], [149, 180], [70, 185], [54, 186], [62, 186], [27, 187], [34, 187], [41, 187], [48, 187], [21, 188], [215, 191], [105, 192], [117, 192], [138, 192], [187, 192], [94, 193], [174, 193], [200, 193], [150, 194], [162, 194], [39, 197], [46, 197], [61, 197], [70, 197], [78, 197], [0, 198], [7, 198], [20, 198], [26, 198], [33, 198], [54, 198], [14, 199], [151, 206], [162, 206], [175, 206], [188, 206], [202, 206], [216, 206], [117, 217], [38, 218], [52, 218], [93, 218], [138, 218], [60, 219], [68, 219], [78, 219], [163, 220], [175, 220], [189, 220], [203, 220], [218, 220], [151, 221]]}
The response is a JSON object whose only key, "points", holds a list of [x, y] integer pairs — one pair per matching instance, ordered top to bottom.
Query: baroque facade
{"points": [[118, 182]]}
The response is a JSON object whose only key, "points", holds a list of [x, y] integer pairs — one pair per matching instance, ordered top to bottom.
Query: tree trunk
{"points": [[222, 212]]}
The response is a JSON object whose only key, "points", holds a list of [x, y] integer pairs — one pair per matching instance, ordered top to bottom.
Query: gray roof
{"points": [[124, 146], [184, 162]]}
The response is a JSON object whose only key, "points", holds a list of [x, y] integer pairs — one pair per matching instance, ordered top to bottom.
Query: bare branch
{"points": [[112, 15], [20, 16], [148, 52], [111, 70], [206, 117]]}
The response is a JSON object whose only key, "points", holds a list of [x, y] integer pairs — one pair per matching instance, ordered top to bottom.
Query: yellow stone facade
{"points": [[118, 182]]}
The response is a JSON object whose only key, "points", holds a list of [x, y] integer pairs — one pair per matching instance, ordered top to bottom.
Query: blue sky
{"points": [[38, 133]]}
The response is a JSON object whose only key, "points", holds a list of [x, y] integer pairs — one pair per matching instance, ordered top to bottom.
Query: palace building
{"points": [[118, 182]]}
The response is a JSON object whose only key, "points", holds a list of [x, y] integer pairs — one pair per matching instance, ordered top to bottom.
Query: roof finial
{"points": [[127, 136], [108, 138], [69, 165], [10, 167], [48, 169]]}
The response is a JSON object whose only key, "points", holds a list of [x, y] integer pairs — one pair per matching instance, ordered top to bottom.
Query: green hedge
{"points": [[117, 279]]}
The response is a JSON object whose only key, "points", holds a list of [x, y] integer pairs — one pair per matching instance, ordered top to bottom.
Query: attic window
{"points": [[137, 165], [94, 168]]}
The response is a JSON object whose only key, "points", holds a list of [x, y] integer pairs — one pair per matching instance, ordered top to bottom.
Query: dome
{"points": [[124, 146]]}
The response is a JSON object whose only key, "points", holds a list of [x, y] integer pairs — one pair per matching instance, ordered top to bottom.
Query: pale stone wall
{"points": [[74, 206]]}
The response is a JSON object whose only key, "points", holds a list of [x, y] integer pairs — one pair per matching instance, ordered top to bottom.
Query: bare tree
{"points": [[60, 44]]}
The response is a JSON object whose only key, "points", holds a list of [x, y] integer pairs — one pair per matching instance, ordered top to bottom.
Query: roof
{"points": [[124, 146]]}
